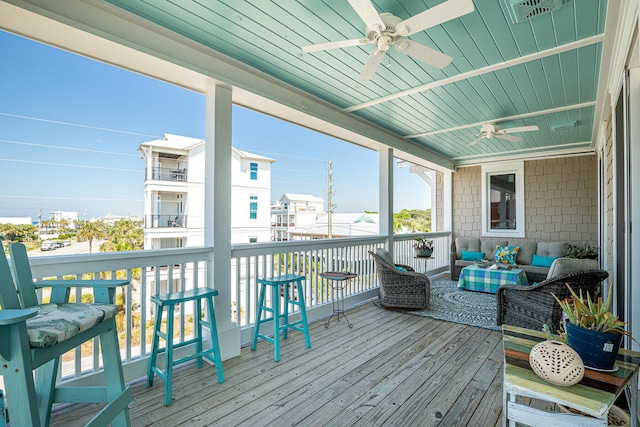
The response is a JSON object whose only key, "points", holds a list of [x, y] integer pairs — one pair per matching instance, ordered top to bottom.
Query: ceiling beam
{"points": [[480, 71]]}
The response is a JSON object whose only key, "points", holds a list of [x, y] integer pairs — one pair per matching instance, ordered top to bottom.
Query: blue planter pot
{"points": [[424, 252], [597, 349]]}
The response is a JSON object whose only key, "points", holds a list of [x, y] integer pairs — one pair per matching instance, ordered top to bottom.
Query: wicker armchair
{"points": [[400, 289], [532, 306]]}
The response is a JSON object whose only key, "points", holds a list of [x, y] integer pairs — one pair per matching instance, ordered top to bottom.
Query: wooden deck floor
{"points": [[390, 369]]}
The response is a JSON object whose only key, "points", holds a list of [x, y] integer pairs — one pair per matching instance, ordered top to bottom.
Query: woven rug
{"points": [[460, 306]]}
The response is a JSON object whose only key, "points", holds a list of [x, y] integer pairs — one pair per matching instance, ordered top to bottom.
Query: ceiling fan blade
{"points": [[368, 13], [435, 16], [334, 45], [424, 53], [371, 65], [520, 129], [510, 138], [474, 142]]}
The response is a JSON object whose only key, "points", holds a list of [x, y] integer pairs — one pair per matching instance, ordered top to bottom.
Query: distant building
{"points": [[174, 194], [294, 211], [70, 217], [27, 220], [342, 225]]}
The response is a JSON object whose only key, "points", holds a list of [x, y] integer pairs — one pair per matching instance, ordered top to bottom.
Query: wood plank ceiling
{"points": [[543, 71]]}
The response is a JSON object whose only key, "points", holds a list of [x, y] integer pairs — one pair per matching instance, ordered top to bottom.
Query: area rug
{"points": [[460, 306]]}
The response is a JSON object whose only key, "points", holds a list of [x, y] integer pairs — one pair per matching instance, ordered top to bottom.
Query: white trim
{"points": [[516, 168]]}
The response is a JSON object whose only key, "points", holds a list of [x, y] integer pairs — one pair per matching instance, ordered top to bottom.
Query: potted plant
{"points": [[423, 247], [585, 251], [592, 330]]}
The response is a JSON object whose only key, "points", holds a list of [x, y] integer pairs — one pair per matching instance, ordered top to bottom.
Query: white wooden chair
{"points": [[33, 336]]}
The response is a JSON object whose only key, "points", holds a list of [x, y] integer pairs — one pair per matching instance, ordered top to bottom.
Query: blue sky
{"points": [[95, 168]]}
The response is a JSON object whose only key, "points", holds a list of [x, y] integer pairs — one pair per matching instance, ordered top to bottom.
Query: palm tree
{"points": [[89, 231]]}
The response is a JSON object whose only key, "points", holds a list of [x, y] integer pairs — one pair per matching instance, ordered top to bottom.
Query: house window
{"points": [[253, 171], [503, 200], [253, 207]]}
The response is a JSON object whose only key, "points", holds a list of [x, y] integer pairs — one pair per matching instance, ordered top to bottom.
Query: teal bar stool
{"points": [[301, 325], [213, 354]]}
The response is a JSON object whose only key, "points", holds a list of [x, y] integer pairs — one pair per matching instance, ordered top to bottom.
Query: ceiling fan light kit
{"points": [[386, 30], [491, 130]]}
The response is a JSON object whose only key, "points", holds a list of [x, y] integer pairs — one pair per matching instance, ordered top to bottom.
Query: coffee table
{"points": [[475, 278]]}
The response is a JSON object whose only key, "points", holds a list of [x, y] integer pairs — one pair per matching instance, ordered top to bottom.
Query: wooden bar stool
{"points": [[300, 325], [213, 354]]}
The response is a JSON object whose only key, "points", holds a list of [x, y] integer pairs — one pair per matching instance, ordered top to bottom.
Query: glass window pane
{"points": [[502, 201]]}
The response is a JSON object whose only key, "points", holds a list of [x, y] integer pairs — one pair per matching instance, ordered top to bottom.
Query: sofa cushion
{"points": [[467, 244], [489, 246], [554, 249], [526, 252], [507, 254], [472, 256], [542, 261]]}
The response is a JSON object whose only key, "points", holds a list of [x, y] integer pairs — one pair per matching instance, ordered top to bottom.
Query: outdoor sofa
{"points": [[535, 258]]}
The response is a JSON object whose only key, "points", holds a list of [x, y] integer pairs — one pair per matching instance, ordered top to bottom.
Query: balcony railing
{"points": [[167, 174], [161, 221], [168, 270]]}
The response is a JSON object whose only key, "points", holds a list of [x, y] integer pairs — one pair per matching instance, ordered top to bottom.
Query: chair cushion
{"points": [[507, 254], [472, 256], [55, 323]]}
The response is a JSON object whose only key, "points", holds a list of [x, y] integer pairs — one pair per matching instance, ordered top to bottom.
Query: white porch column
{"points": [[386, 196], [447, 201], [217, 212]]}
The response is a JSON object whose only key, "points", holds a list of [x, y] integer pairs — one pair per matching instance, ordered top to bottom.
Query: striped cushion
{"points": [[55, 323]]}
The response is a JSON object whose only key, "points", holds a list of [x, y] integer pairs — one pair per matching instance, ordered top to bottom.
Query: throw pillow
{"points": [[507, 254], [472, 256], [542, 261], [400, 268]]}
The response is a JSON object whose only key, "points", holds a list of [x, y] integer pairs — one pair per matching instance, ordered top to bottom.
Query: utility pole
{"points": [[329, 201], [40, 222]]}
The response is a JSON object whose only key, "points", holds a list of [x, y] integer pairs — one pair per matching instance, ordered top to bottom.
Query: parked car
{"points": [[66, 243], [59, 244], [48, 245]]}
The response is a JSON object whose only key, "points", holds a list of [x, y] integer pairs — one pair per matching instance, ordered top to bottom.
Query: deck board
{"points": [[391, 369]]}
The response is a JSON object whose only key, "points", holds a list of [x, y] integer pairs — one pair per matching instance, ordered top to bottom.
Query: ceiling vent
{"points": [[524, 10], [563, 126]]}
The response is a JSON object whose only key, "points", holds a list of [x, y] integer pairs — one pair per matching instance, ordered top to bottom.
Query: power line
{"points": [[16, 116], [58, 147], [71, 166], [71, 198]]}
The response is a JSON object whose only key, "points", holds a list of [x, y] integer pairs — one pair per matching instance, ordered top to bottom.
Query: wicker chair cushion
{"points": [[563, 266], [55, 323]]}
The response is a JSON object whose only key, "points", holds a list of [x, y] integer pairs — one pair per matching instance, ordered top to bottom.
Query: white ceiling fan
{"points": [[386, 30], [491, 130]]}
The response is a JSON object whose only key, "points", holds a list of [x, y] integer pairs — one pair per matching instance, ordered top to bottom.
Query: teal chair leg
{"points": [[303, 315], [276, 322], [256, 330], [198, 333], [155, 340], [215, 345], [168, 360], [114, 377]]}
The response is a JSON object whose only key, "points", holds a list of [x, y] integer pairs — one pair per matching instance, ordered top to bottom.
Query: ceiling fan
{"points": [[386, 30], [491, 130]]}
